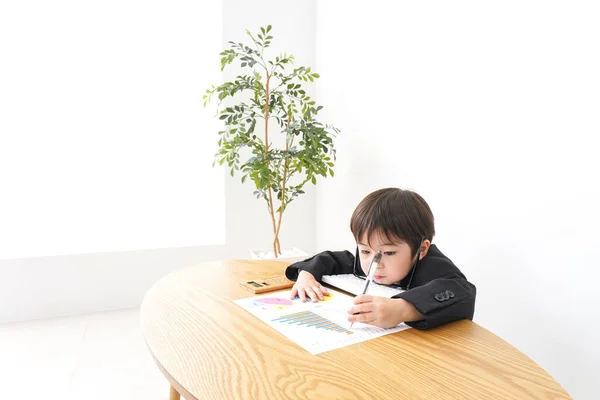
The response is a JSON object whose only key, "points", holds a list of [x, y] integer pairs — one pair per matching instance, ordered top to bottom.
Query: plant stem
{"points": [[267, 95], [285, 169], [282, 203], [271, 209]]}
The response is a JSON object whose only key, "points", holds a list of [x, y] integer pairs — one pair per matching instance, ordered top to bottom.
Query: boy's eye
{"points": [[365, 252], [389, 253]]}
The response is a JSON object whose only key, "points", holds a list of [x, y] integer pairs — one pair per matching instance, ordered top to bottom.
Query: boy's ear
{"points": [[424, 248]]}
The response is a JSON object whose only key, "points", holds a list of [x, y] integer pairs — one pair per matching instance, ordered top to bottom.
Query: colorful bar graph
{"points": [[310, 319]]}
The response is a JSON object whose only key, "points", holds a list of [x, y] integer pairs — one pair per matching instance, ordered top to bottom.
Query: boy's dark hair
{"points": [[398, 214]]}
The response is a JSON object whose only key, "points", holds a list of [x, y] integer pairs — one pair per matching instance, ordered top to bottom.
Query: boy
{"points": [[399, 224]]}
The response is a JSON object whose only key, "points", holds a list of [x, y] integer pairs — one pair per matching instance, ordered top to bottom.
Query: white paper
{"points": [[353, 284], [316, 327]]}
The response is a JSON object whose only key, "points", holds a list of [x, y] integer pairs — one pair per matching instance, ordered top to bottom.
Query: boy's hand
{"points": [[307, 286], [382, 312]]}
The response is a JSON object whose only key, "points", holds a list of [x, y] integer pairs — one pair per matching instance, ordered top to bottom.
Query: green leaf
{"points": [[313, 179]]}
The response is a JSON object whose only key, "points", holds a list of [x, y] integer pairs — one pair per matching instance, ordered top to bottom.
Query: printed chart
{"points": [[310, 319], [317, 327]]}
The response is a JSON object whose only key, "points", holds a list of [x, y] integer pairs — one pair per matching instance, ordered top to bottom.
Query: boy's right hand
{"points": [[307, 286]]}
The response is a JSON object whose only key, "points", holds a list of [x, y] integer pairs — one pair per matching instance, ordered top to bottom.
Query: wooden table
{"points": [[210, 348]]}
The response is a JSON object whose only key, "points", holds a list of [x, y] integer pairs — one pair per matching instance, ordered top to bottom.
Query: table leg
{"points": [[173, 394]]}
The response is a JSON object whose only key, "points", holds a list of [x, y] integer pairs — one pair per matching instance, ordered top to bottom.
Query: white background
{"points": [[105, 143]]}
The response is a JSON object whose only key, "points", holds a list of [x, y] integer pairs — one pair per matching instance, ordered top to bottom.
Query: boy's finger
{"points": [[325, 290], [318, 292], [294, 293], [311, 293], [302, 294], [363, 298], [357, 309], [365, 318]]}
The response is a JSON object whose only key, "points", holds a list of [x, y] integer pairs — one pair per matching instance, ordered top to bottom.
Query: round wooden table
{"points": [[210, 348]]}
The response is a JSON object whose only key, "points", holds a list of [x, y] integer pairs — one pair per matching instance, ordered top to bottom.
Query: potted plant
{"points": [[271, 90]]}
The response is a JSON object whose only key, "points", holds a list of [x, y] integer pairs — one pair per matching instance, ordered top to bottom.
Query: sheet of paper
{"points": [[353, 284], [316, 327]]}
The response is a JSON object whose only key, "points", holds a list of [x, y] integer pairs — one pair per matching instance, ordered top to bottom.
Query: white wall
{"points": [[490, 111], [101, 144], [50, 286]]}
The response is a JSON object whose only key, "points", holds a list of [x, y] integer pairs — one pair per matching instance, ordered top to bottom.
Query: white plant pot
{"points": [[289, 255]]}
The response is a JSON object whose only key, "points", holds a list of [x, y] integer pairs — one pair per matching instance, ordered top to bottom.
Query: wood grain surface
{"points": [[210, 348]]}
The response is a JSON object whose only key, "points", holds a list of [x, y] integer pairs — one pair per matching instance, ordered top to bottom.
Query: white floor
{"points": [[93, 356]]}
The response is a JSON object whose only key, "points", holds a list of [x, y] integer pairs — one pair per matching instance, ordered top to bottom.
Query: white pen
{"points": [[370, 274]]}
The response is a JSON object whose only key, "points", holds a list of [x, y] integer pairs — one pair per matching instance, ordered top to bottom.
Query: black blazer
{"points": [[438, 289]]}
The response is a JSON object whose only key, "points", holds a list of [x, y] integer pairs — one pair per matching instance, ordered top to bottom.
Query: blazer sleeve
{"points": [[325, 263], [442, 300]]}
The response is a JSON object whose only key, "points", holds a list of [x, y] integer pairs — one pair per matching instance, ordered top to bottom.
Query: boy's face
{"points": [[396, 260]]}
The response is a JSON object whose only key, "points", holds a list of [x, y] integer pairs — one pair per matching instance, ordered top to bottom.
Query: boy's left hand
{"points": [[382, 311]]}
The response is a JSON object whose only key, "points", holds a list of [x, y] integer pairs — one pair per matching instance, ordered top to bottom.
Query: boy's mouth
{"points": [[378, 277]]}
